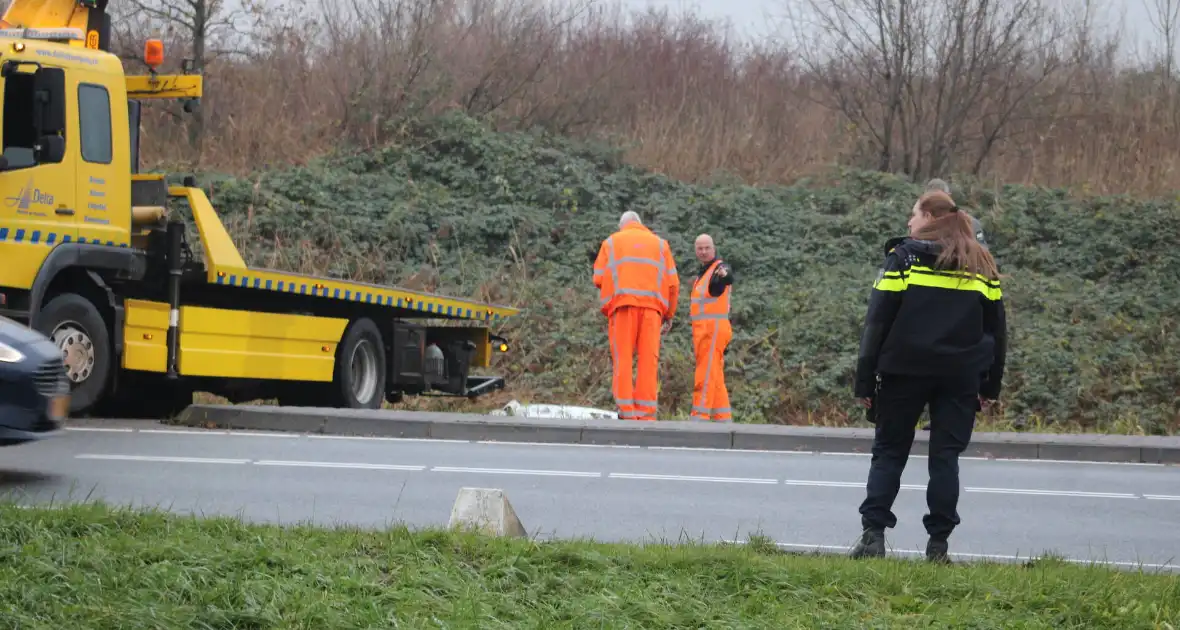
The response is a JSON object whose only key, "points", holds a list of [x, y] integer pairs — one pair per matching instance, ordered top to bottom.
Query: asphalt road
{"points": [[1125, 514]]}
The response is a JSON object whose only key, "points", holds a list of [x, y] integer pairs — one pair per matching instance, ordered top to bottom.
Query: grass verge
{"points": [[92, 566]]}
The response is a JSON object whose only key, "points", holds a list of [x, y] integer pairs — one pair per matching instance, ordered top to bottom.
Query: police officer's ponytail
{"points": [[952, 230]]}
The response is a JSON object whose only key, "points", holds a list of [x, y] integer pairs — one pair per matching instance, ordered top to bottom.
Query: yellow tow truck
{"points": [[95, 255]]}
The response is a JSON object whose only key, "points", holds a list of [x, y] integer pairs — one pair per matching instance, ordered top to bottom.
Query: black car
{"points": [[34, 392]]}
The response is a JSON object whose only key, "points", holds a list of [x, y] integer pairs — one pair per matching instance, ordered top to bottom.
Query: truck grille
{"points": [[50, 379]]}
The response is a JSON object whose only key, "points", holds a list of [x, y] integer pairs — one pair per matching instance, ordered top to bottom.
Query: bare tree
{"points": [[1164, 16], [211, 29], [389, 47], [402, 56], [932, 85]]}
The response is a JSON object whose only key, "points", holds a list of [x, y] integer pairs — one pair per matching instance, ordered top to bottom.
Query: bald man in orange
{"points": [[638, 291], [711, 333]]}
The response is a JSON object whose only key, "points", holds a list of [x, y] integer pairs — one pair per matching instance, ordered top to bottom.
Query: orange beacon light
{"points": [[153, 53]]}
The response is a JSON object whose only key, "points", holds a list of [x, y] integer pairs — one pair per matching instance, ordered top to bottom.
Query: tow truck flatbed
{"points": [[226, 267]]}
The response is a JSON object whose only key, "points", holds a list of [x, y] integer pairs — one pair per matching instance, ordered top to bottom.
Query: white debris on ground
{"points": [[563, 412]]}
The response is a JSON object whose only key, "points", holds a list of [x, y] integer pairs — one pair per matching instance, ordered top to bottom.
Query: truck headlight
{"points": [[8, 354]]}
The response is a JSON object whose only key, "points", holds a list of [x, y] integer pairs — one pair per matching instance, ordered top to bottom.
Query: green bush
{"points": [[517, 218]]}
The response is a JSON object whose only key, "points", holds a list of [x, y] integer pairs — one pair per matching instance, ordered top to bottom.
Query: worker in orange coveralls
{"points": [[638, 292], [711, 333]]}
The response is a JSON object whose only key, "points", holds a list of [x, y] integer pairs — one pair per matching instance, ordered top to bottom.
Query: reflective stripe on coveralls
{"points": [[664, 268], [636, 301], [711, 334], [635, 336]]}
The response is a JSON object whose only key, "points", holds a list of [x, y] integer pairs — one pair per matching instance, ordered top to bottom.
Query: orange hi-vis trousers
{"points": [[635, 331], [710, 398]]}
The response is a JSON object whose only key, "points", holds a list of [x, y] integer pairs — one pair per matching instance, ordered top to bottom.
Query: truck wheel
{"points": [[76, 326], [360, 367]]}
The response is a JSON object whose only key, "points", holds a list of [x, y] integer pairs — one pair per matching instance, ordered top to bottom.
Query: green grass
{"points": [[91, 566]]}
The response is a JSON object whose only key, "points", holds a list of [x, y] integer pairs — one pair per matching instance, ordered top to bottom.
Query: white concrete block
{"points": [[486, 510]]}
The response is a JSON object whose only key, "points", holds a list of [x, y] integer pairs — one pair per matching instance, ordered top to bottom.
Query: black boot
{"points": [[871, 545], [936, 551]]}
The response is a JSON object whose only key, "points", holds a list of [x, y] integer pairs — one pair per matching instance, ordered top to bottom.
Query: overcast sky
{"points": [[761, 18]]}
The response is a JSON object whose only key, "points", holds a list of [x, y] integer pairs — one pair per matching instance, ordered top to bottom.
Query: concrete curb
{"points": [[665, 433]]}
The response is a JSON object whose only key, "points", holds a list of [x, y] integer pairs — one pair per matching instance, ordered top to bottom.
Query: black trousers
{"points": [[953, 400]]}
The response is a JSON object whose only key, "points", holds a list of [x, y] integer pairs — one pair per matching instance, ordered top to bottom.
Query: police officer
{"points": [[940, 185], [935, 334]]}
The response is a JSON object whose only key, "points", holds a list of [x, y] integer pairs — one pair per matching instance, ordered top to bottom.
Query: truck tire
{"points": [[76, 326], [359, 379]]}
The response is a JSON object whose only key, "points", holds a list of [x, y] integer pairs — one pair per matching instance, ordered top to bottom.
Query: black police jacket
{"points": [[923, 321]]}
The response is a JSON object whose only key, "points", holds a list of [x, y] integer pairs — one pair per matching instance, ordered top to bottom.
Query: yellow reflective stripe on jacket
{"points": [[894, 281], [897, 281]]}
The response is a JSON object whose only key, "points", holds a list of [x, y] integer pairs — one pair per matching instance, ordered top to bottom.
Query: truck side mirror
{"points": [[49, 102], [50, 150]]}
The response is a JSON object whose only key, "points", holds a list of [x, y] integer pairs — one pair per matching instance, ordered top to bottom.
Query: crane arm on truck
{"points": [[81, 16], [86, 23]]}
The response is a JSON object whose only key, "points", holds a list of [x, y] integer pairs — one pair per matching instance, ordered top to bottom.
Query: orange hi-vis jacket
{"points": [[635, 268], [703, 306], [711, 334]]}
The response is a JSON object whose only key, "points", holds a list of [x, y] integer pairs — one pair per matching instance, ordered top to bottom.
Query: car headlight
{"points": [[8, 354]]}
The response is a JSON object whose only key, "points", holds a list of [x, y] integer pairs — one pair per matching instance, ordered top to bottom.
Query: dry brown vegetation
{"points": [[1032, 96]]}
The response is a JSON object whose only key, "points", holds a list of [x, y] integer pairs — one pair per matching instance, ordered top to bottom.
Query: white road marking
{"points": [[185, 432], [221, 433], [366, 438], [375, 438], [512, 443], [713, 449], [157, 458], [973, 458], [272, 462], [1075, 462], [509, 471], [687, 478], [827, 484], [842, 484], [855, 485], [1015, 491], [1059, 493], [976, 556]]}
